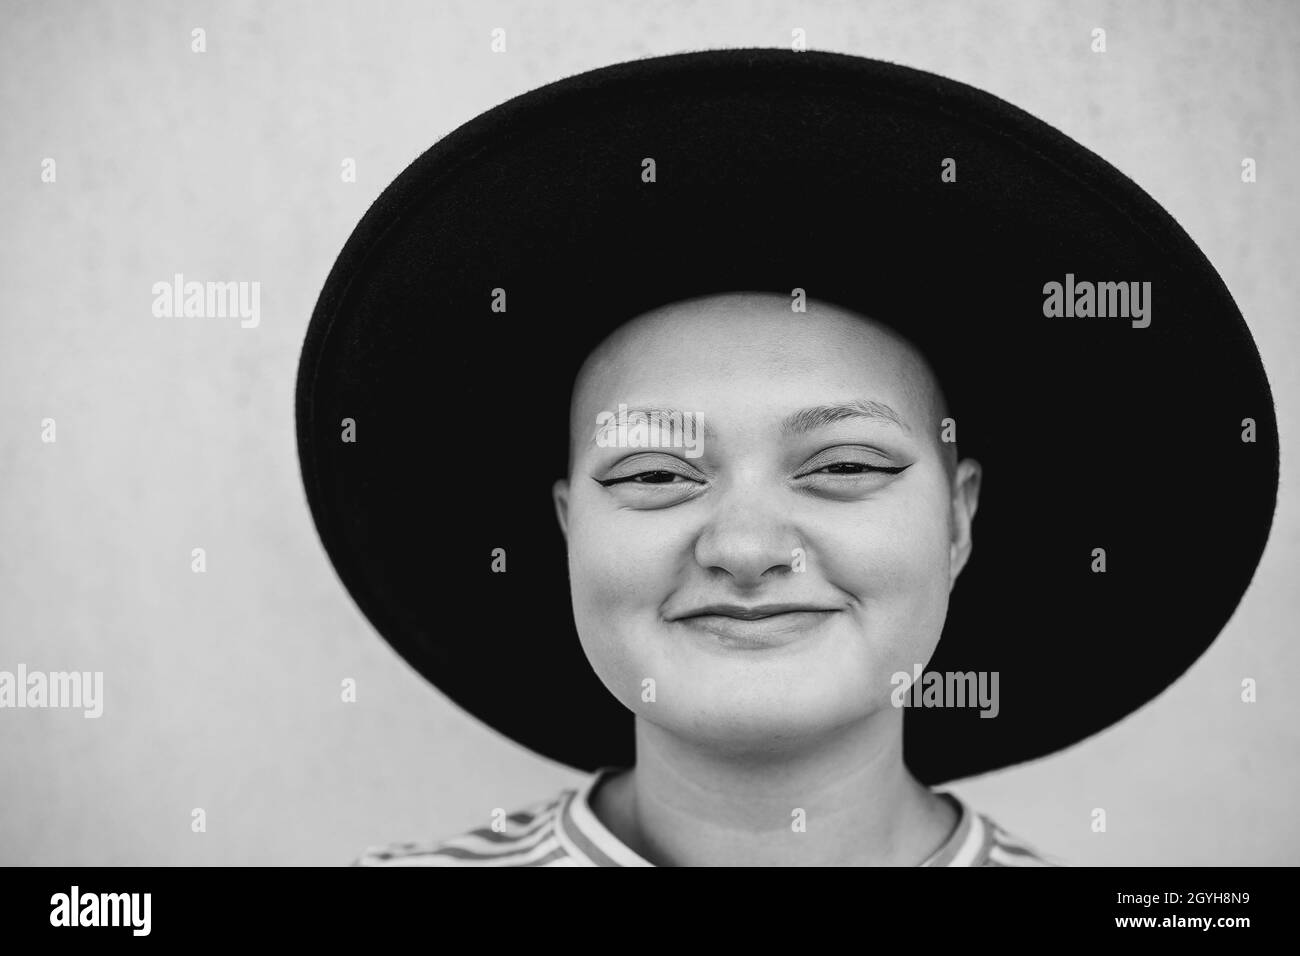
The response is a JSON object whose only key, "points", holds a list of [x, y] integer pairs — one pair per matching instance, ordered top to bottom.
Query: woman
{"points": [[790, 252]]}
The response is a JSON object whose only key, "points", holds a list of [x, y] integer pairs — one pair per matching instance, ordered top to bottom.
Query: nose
{"points": [[748, 540]]}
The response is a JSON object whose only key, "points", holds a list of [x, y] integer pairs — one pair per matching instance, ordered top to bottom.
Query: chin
{"points": [[755, 720]]}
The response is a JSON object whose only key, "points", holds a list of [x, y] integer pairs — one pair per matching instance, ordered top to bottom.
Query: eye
{"points": [[856, 468], [849, 469], [652, 472], [647, 478]]}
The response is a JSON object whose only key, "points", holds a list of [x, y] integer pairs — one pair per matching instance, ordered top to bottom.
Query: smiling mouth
{"points": [[754, 613], [771, 625]]}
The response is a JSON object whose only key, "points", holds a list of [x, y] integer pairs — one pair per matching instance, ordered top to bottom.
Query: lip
{"points": [[752, 613], [758, 627]]}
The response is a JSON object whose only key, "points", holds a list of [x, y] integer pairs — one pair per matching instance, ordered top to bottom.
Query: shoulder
{"points": [[527, 837], [1002, 848]]}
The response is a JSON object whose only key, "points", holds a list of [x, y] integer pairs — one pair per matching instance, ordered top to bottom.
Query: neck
{"points": [[848, 800]]}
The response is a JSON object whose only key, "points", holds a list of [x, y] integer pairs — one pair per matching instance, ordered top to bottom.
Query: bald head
{"points": [[754, 337]]}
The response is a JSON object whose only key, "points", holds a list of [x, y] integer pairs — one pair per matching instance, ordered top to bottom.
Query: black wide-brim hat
{"points": [[776, 170]]}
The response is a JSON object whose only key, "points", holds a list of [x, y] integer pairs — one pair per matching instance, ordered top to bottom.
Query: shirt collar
{"points": [[582, 833], [590, 841], [967, 845]]}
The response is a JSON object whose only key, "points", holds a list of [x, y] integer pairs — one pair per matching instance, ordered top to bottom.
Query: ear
{"points": [[560, 495], [965, 502]]}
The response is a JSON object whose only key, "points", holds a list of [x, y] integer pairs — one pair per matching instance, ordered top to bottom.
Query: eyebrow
{"points": [[651, 413], [817, 416], [803, 420]]}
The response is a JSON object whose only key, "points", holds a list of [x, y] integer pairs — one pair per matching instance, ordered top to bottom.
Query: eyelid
{"points": [[828, 456], [643, 464], [630, 481]]}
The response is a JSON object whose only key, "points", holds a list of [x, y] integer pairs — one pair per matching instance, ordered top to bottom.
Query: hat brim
{"points": [[776, 170]]}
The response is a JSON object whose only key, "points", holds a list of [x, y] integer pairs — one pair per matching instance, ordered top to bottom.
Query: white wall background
{"points": [[223, 689]]}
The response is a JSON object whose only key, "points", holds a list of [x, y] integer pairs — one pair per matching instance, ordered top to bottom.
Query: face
{"points": [[772, 571]]}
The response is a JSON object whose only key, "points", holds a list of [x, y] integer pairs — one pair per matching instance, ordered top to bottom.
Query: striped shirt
{"points": [[562, 830]]}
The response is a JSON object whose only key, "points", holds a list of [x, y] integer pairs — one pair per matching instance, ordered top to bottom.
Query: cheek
{"points": [[892, 557], [621, 569]]}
